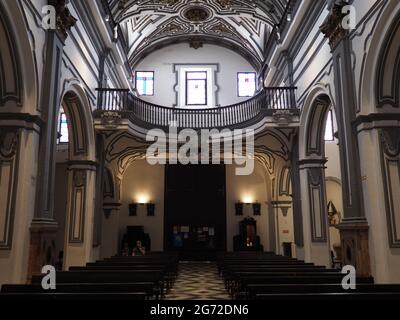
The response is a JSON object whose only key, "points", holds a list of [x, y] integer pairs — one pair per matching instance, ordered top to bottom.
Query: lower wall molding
{"points": [[390, 155], [9, 163], [317, 201], [77, 206]]}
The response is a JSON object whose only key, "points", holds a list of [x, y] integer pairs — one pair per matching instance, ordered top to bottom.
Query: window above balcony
{"points": [[145, 83], [246, 84], [196, 86]]}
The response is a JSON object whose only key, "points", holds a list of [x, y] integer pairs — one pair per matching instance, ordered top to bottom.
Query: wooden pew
{"points": [[250, 275], [129, 278], [136, 287], [252, 290], [62, 296]]}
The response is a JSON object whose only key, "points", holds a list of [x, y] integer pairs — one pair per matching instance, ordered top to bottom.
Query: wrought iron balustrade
{"points": [[152, 115]]}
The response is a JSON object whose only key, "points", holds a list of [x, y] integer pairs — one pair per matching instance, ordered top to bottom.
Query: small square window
{"points": [[145, 83], [246, 84]]}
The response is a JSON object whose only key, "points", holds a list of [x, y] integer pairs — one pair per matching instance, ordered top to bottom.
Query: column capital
{"points": [[64, 20], [332, 27], [312, 163], [82, 165], [279, 204], [109, 207], [354, 222], [43, 223]]}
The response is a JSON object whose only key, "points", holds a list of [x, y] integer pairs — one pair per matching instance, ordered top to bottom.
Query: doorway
{"points": [[195, 210]]}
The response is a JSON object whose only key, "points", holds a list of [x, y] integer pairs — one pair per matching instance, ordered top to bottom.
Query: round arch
{"points": [[381, 42], [25, 92], [80, 123], [312, 123], [77, 175]]}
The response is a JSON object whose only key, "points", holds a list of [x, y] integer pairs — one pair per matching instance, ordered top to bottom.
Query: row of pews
{"points": [[266, 276], [147, 277]]}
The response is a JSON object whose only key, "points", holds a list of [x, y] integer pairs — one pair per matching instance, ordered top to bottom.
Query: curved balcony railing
{"points": [[151, 115]]}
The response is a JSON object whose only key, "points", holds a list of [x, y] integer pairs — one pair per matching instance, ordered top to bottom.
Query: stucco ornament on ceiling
{"points": [[241, 25]]}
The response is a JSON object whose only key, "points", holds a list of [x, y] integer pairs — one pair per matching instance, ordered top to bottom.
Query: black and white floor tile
{"points": [[198, 281]]}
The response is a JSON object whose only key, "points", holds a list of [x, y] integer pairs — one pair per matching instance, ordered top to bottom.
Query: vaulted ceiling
{"points": [[241, 25]]}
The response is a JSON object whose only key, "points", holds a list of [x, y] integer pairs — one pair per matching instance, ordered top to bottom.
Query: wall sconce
{"points": [[151, 208], [239, 208], [133, 209], [257, 209], [107, 212], [333, 215]]}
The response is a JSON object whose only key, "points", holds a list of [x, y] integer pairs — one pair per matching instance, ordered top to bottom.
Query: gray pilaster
{"points": [[345, 113], [48, 138], [348, 143], [296, 195], [99, 197], [316, 198], [354, 230]]}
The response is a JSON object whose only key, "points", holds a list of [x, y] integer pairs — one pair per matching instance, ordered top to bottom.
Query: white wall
{"points": [[162, 63], [333, 164], [143, 180], [333, 182], [241, 188], [334, 194], [60, 204], [284, 225], [14, 263]]}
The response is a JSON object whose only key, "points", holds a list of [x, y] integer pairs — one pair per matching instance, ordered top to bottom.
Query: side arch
{"points": [[18, 63], [380, 85], [80, 123], [312, 123]]}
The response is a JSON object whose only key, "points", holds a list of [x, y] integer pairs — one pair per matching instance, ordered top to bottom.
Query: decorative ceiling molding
{"points": [[245, 24]]}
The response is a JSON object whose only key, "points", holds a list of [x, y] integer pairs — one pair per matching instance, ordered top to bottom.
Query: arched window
{"points": [[62, 128], [330, 129]]}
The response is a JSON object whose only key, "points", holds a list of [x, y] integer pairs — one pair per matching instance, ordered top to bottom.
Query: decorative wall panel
{"points": [[9, 147]]}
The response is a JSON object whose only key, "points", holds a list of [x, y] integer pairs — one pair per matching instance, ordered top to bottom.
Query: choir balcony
{"points": [[120, 109]]}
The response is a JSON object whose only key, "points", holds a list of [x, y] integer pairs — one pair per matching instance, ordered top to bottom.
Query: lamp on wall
{"points": [[151, 208], [239, 208], [133, 209], [257, 209]]}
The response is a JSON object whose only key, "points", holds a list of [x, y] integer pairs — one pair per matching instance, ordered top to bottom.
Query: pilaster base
{"points": [[355, 248], [42, 249]]}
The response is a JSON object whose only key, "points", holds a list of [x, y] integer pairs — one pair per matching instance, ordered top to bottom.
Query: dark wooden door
{"points": [[195, 200]]}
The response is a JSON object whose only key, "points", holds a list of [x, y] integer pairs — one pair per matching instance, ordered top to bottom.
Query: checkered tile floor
{"points": [[198, 281]]}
